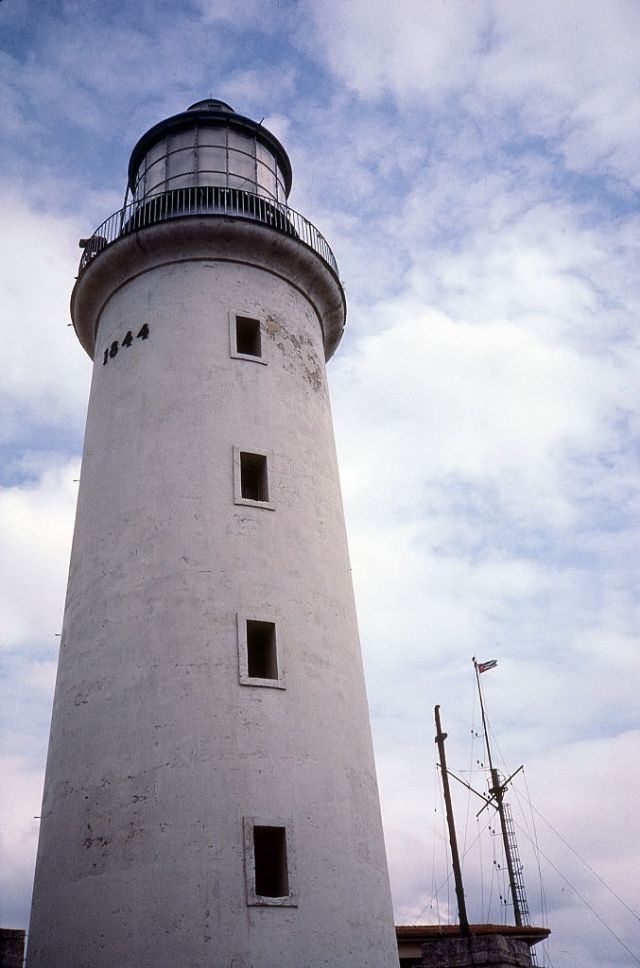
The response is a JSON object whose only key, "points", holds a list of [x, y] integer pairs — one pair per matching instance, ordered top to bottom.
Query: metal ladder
{"points": [[517, 873]]}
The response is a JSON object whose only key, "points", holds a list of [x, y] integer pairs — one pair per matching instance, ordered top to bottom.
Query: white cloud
{"points": [[410, 47], [574, 70], [571, 71], [46, 375], [491, 403], [36, 521], [19, 835]]}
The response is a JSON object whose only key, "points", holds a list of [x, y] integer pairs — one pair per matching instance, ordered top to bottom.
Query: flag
{"points": [[485, 666]]}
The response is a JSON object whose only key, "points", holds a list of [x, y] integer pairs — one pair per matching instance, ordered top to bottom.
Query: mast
{"points": [[497, 789], [465, 931]]}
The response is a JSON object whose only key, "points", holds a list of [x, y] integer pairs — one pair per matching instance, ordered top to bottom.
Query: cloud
{"points": [[408, 48], [573, 70], [570, 73], [45, 377], [518, 403], [36, 520], [19, 838]]}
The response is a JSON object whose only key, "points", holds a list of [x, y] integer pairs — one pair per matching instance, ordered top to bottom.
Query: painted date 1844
{"points": [[112, 350]]}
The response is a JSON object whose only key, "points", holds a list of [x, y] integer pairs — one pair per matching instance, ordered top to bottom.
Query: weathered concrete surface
{"points": [[193, 238], [157, 750], [490, 951]]}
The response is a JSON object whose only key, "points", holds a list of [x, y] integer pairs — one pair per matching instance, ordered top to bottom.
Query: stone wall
{"points": [[11, 948], [489, 951]]}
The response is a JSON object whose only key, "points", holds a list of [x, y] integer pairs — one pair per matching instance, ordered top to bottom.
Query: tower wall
{"points": [[162, 755]]}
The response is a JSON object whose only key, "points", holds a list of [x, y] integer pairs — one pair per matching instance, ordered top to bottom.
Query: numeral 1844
{"points": [[112, 350]]}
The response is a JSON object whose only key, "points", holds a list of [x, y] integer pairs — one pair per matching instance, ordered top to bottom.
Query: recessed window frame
{"points": [[233, 338], [237, 478], [243, 651], [260, 900]]}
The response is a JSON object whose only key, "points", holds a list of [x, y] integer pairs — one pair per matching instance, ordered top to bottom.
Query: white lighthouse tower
{"points": [[210, 797]]}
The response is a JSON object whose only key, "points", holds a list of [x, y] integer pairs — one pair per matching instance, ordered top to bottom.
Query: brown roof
{"points": [[432, 932]]}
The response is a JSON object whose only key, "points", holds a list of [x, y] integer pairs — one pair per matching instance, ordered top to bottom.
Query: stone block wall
{"points": [[11, 948], [488, 951]]}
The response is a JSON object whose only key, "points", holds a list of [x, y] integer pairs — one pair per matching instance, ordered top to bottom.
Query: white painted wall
{"points": [[157, 751]]}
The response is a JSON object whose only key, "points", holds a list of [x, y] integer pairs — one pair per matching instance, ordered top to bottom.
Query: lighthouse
{"points": [[210, 794]]}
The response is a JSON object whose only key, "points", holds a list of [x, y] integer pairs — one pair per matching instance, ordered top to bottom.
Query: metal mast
{"points": [[497, 791]]}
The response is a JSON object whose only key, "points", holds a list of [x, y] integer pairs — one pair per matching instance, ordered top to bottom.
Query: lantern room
{"points": [[209, 145]]}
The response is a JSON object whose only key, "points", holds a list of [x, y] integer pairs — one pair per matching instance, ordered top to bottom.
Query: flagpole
{"points": [[484, 718], [497, 791]]}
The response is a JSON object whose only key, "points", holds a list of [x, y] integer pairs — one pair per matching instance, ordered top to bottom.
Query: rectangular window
{"points": [[245, 338], [248, 341], [251, 479], [254, 485], [260, 651], [262, 658], [269, 862]]}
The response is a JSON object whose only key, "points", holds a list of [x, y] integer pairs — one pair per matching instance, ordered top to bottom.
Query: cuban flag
{"points": [[485, 666]]}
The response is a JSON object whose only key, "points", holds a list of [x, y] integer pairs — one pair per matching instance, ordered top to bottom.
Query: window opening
{"points": [[248, 340], [253, 477], [262, 655], [270, 859]]}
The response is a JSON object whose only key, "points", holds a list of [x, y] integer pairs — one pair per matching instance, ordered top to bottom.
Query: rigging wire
{"points": [[474, 736], [468, 809], [531, 833], [444, 838], [533, 838], [479, 841], [541, 853], [481, 861], [583, 861], [499, 871], [502, 873], [446, 881], [498, 883], [434, 887], [494, 887], [543, 897], [585, 901], [429, 903]]}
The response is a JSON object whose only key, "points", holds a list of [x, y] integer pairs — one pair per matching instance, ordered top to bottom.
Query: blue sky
{"points": [[473, 164]]}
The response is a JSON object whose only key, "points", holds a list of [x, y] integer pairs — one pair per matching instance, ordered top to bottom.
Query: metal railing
{"points": [[205, 200]]}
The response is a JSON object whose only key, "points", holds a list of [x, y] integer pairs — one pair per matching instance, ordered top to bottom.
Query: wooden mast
{"points": [[465, 931]]}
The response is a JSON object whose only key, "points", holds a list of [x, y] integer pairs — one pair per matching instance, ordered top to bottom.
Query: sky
{"points": [[473, 164]]}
